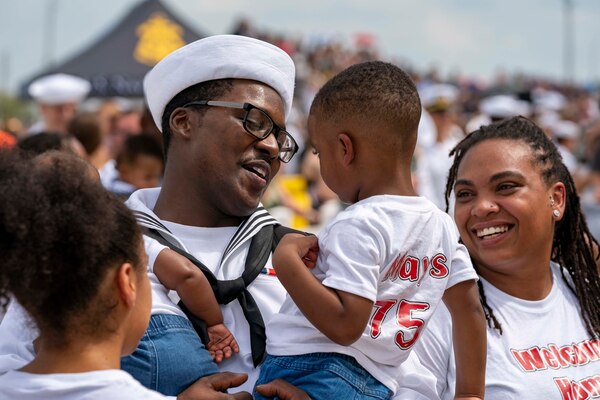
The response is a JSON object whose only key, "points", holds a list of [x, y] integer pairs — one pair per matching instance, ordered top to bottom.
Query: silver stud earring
{"points": [[556, 213]]}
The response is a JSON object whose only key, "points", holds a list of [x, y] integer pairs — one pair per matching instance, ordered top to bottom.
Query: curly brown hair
{"points": [[60, 234]]}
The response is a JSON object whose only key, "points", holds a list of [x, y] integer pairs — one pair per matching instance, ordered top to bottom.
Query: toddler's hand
{"points": [[306, 247], [221, 342]]}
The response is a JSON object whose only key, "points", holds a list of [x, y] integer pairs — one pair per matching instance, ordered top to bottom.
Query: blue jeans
{"points": [[170, 356], [326, 376]]}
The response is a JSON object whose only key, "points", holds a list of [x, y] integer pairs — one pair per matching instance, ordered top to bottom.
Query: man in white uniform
{"points": [[58, 96], [224, 141]]}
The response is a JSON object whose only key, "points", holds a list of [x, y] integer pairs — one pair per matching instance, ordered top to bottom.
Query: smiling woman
{"points": [[504, 211], [518, 214]]}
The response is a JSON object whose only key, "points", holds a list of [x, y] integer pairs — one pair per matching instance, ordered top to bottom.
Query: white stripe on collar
{"points": [[251, 225], [247, 229]]}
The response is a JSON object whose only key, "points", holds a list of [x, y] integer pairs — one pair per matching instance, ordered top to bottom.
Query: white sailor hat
{"points": [[219, 57], [59, 89], [438, 96], [548, 100], [504, 106], [547, 119], [477, 122], [565, 129]]}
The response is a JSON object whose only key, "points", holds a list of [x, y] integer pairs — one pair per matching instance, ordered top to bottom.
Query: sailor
{"points": [[57, 97]]}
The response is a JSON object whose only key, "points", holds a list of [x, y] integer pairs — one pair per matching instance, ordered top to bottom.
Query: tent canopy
{"points": [[116, 64]]}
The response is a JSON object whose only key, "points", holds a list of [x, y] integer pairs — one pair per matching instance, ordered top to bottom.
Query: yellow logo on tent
{"points": [[159, 36]]}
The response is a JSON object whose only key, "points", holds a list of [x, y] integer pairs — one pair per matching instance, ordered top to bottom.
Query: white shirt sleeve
{"points": [[152, 247], [350, 256], [461, 264], [462, 267], [17, 333]]}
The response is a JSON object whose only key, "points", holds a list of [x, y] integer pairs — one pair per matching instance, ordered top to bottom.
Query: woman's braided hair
{"points": [[573, 247]]}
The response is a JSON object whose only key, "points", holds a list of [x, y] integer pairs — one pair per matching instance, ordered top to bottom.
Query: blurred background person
{"points": [[57, 97], [495, 108], [126, 123], [86, 128], [567, 135], [47, 141], [432, 158], [139, 165]]}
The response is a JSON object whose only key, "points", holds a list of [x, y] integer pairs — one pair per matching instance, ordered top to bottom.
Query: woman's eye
{"points": [[315, 151], [506, 186], [463, 194]]}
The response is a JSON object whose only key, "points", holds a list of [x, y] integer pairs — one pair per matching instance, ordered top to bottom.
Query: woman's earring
{"points": [[556, 213]]}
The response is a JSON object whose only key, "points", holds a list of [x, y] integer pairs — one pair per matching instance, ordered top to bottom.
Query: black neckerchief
{"points": [[262, 244]]}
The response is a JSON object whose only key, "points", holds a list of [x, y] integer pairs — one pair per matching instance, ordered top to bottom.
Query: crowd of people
{"points": [[454, 105], [149, 250]]}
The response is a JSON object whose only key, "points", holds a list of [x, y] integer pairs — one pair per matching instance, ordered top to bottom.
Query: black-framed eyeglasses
{"points": [[259, 124]]}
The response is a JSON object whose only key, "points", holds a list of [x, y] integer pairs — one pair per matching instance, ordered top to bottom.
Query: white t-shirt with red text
{"points": [[400, 252], [543, 353]]}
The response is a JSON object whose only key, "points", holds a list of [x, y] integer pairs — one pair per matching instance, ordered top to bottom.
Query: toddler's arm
{"points": [[178, 273], [339, 315], [469, 338]]}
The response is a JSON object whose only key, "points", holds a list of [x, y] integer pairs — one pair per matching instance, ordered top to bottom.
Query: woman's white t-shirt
{"points": [[544, 351]]}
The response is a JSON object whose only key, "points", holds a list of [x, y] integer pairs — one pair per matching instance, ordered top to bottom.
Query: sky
{"points": [[476, 38]]}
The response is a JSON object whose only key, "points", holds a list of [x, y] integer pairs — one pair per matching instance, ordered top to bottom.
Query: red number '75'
{"points": [[404, 318]]}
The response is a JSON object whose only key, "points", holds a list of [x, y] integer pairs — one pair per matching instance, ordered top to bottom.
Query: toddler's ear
{"points": [[346, 148]]}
